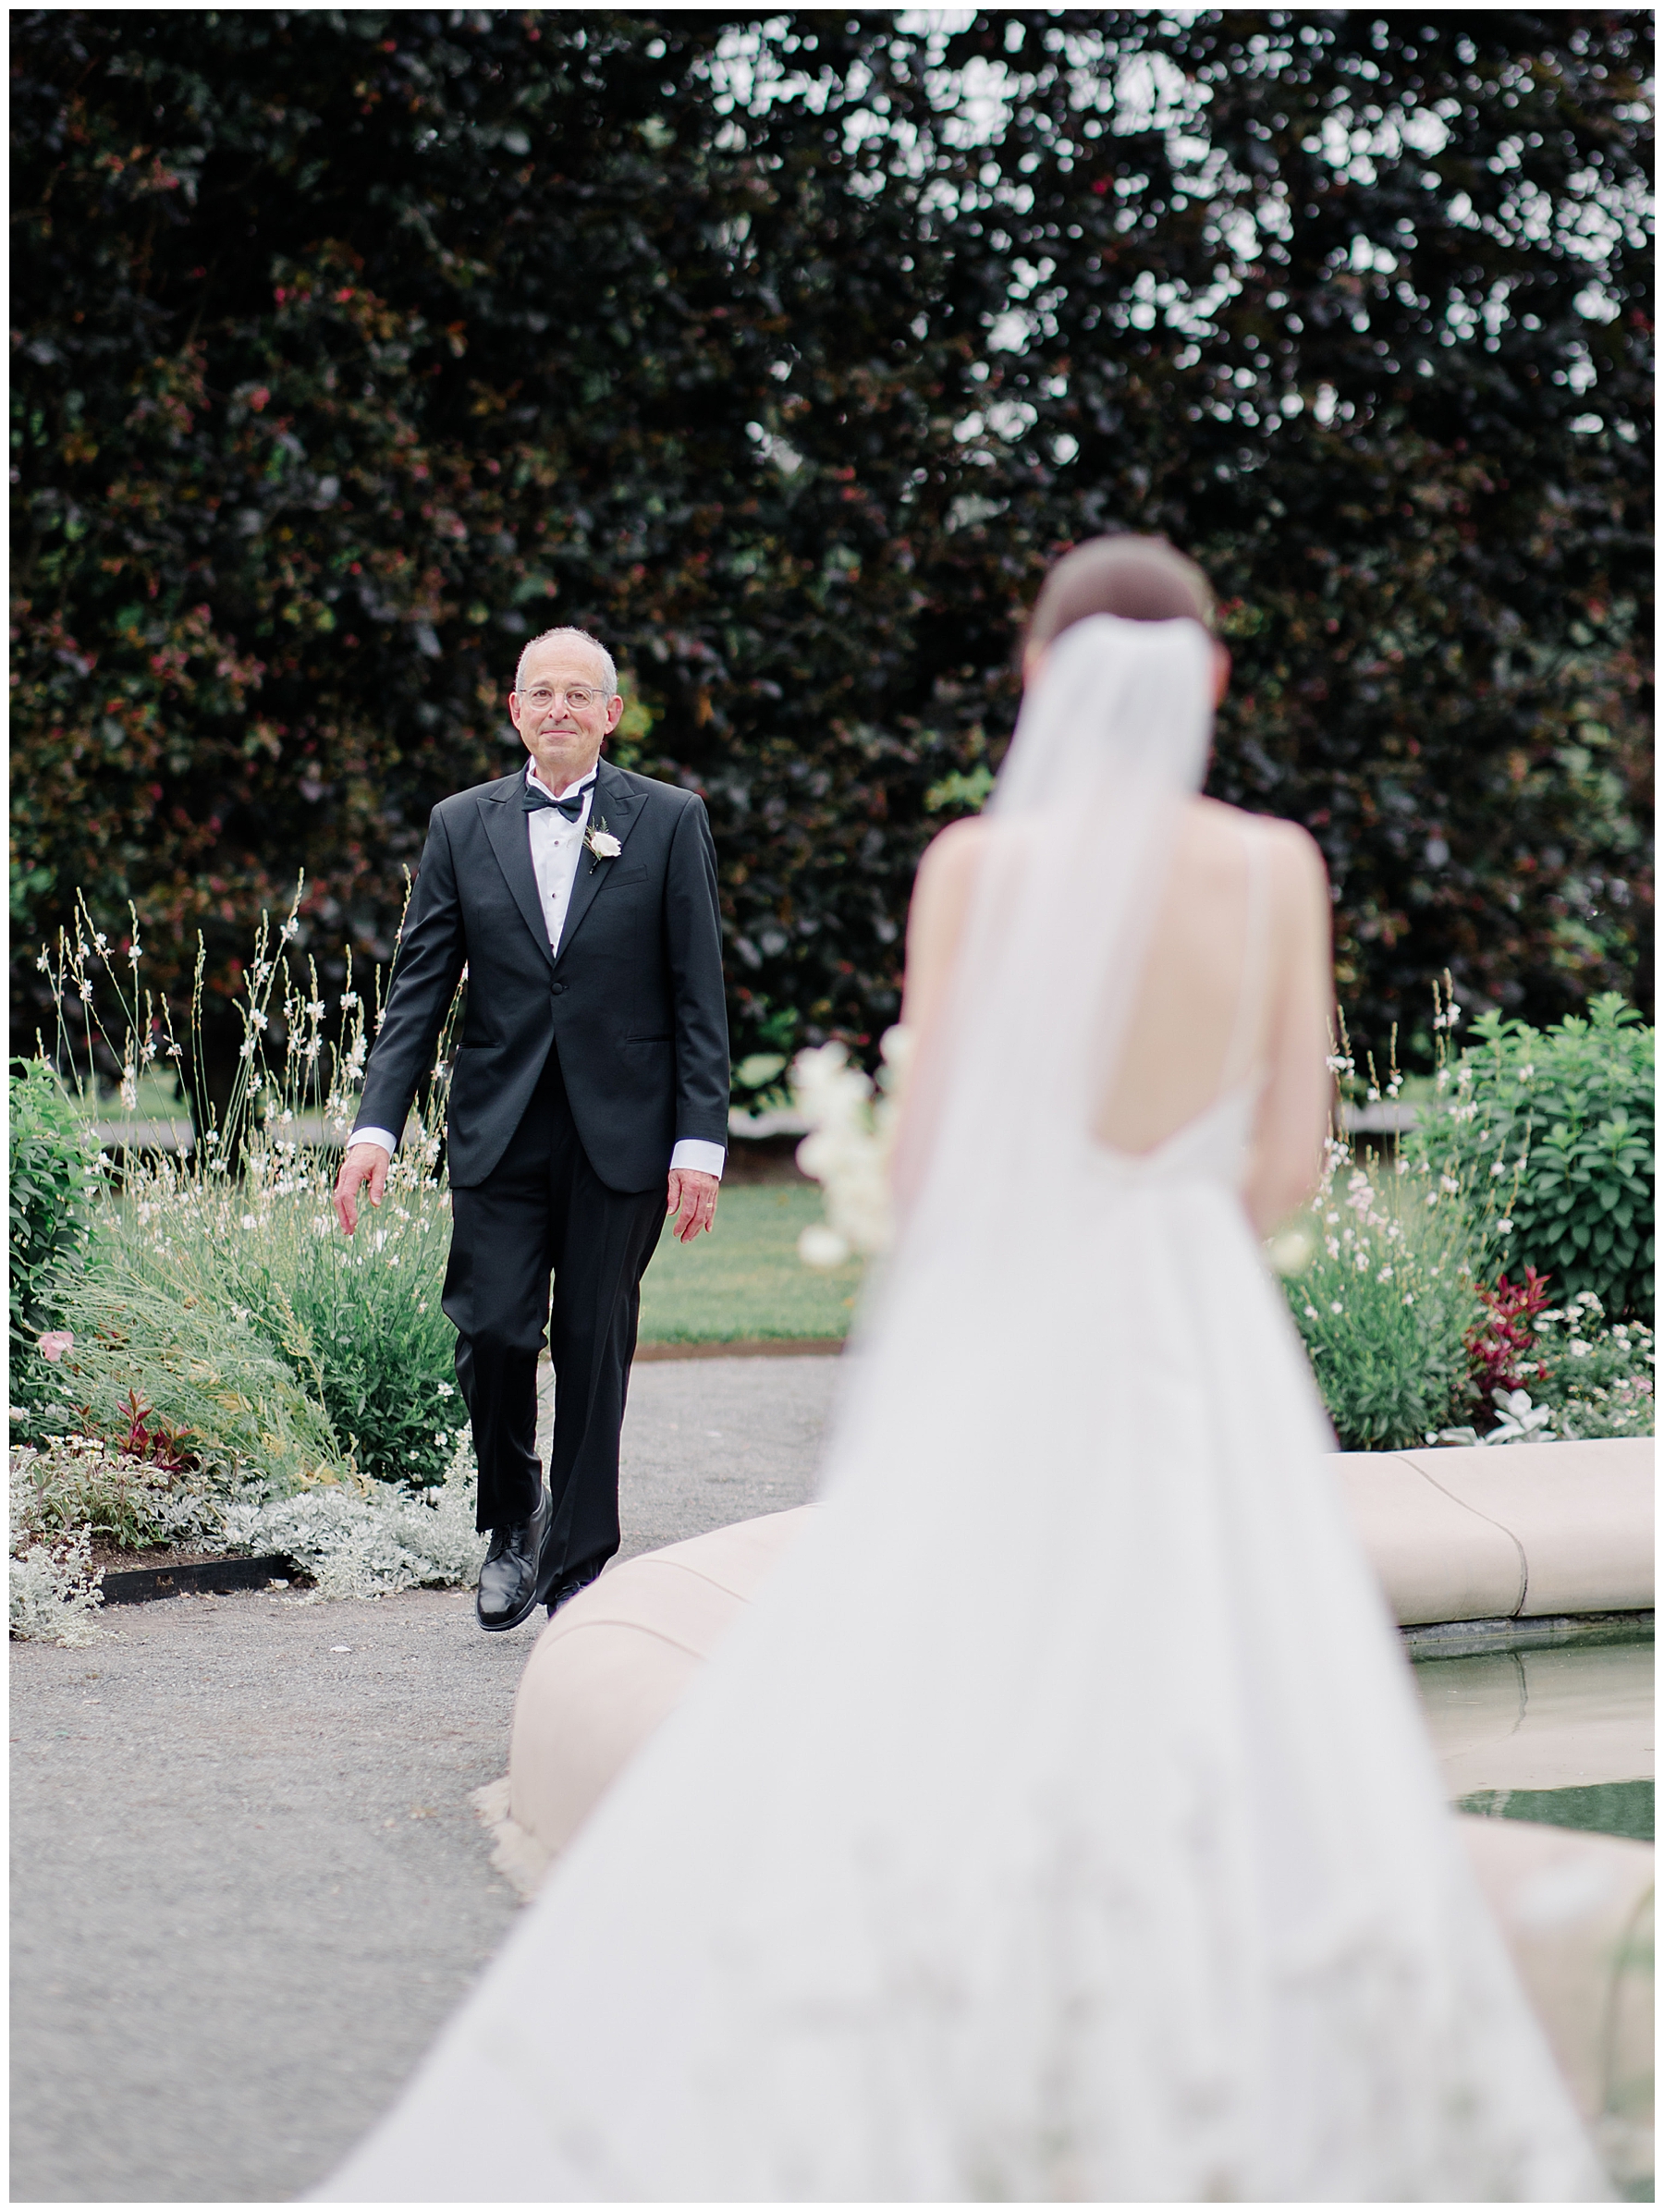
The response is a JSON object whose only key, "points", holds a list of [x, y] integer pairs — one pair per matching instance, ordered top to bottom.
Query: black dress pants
{"points": [[542, 1210]]}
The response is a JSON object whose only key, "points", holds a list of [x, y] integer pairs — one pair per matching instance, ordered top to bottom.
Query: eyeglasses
{"points": [[579, 697]]}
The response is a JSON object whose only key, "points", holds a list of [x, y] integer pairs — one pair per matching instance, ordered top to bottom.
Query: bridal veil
{"points": [[1059, 1823]]}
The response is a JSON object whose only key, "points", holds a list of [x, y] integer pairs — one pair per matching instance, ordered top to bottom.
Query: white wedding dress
{"points": [[1059, 1823]]}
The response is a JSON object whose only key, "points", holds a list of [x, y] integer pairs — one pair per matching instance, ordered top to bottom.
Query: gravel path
{"points": [[246, 1883]]}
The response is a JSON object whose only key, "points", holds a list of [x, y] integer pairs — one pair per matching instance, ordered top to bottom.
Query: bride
{"points": [[1058, 1822]]}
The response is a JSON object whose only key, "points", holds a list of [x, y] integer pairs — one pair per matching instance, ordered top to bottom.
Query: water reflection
{"points": [[1571, 1728]]}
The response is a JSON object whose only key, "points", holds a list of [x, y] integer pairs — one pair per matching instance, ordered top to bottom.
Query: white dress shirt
{"points": [[556, 848]]}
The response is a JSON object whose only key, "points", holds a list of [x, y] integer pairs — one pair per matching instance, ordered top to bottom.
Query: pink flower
{"points": [[55, 1343]]}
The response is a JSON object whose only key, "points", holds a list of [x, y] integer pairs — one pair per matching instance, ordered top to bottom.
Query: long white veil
{"points": [[1111, 740]]}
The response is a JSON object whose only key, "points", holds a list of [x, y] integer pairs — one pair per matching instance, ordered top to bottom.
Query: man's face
{"points": [[564, 733]]}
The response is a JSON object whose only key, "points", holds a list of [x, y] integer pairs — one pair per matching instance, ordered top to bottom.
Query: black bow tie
{"points": [[572, 806]]}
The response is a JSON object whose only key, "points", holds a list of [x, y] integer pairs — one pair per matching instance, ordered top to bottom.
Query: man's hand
{"points": [[367, 1162], [692, 1200]]}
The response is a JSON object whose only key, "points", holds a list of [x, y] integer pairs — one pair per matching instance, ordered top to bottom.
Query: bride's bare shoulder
{"points": [[1213, 830], [954, 850], [949, 866]]}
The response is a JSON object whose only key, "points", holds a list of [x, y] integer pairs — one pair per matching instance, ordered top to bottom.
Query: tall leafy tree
{"points": [[349, 348]]}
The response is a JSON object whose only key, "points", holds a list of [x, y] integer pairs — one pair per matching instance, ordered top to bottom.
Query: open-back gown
{"points": [[1059, 1823]]}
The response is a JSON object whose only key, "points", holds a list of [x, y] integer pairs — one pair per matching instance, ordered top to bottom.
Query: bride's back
{"points": [[1234, 987], [1197, 1026]]}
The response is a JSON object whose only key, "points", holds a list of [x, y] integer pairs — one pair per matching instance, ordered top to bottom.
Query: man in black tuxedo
{"points": [[582, 902]]}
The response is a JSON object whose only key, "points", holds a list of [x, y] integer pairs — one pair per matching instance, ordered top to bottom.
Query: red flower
{"points": [[1500, 1346]]}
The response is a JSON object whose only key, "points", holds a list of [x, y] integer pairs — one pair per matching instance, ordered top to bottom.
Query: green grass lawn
{"points": [[745, 1280]]}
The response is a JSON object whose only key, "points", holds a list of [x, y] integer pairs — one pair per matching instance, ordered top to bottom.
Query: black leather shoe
{"points": [[571, 1588], [508, 1590]]}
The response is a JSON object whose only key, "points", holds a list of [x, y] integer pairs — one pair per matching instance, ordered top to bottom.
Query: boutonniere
{"points": [[601, 841]]}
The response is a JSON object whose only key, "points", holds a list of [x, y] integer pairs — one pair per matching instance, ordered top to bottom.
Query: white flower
{"points": [[603, 844], [86, 988], [348, 998], [1499, 1167], [1450, 1184], [248, 1221], [1505, 1227], [822, 1247], [1290, 1251], [1336, 1307], [446, 1390]]}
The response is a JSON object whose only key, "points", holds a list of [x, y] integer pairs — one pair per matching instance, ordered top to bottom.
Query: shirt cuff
{"points": [[369, 1135], [696, 1154]]}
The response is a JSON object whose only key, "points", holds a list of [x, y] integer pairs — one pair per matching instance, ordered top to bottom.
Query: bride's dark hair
{"points": [[1142, 579]]}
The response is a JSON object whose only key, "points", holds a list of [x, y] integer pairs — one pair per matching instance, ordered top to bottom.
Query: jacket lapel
{"points": [[616, 802], [506, 826]]}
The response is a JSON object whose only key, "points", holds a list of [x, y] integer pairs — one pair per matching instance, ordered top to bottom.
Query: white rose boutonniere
{"points": [[601, 841]]}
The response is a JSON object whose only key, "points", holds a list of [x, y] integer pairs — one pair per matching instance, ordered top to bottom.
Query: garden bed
{"points": [[204, 1368]]}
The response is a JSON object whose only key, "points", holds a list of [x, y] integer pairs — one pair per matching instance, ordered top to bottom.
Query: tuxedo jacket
{"points": [[632, 996]]}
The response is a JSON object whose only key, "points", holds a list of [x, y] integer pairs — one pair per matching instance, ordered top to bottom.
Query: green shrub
{"points": [[1566, 1114], [53, 1181], [55, 1188], [225, 1299], [1384, 1299], [359, 1323], [169, 1336], [81, 1482]]}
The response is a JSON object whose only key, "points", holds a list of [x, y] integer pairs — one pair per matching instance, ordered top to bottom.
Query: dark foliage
{"points": [[351, 348]]}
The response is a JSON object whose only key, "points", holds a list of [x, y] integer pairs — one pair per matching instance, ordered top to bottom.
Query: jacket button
{"points": [[558, 989]]}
